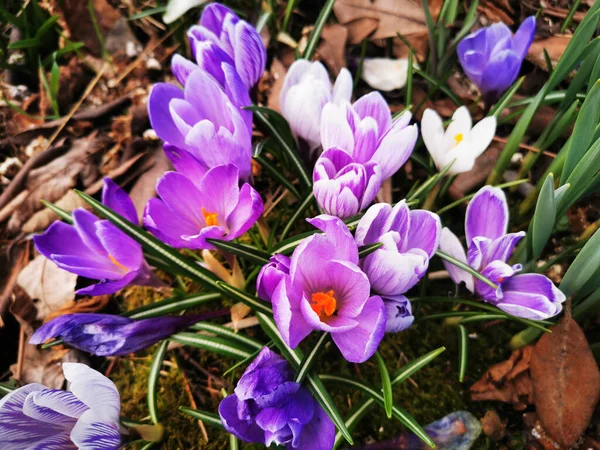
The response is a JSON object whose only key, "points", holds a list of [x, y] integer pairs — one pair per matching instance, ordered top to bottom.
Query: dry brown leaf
{"points": [[497, 11], [554, 45], [332, 49], [278, 71], [466, 182], [145, 187], [13, 258], [50, 285], [84, 305], [45, 366], [508, 381], [566, 382], [492, 425]]}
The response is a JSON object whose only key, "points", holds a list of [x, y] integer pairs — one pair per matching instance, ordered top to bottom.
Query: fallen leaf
{"points": [[497, 13], [554, 45], [332, 48], [278, 71], [466, 182], [145, 187], [13, 258], [50, 285], [83, 305], [508, 381], [566, 382], [492, 425]]}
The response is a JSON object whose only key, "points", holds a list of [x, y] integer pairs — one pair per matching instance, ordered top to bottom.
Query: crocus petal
{"points": [[524, 37], [250, 54], [181, 68], [500, 72], [342, 88], [374, 105], [160, 113], [460, 124], [335, 130], [432, 130], [482, 134], [395, 149], [186, 163], [116, 199], [248, 210], [487, 214], [85, 224], [167, 224], [372, 225], [337, 231], [424, 232], [450, 244], [502, 248], [124, 250], [393, 273], [531, 296], [399, 313], [288, 315], [361, 342], [94, 390], [62, 402], [44, 413], [248, 431], [319, 433], [88, 435], [61, 441]]}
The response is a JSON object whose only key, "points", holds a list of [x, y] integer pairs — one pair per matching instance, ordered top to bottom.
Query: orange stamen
{"points": [[458, 138], [210, 218], [117, 263], [323, 303]]}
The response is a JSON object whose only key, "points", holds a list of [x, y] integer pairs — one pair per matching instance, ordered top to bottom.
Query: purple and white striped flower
{"points": [[306, 90], [190, 211], [409, 238], [97, 249], [326, 290], [531, 296], [399, 313], [268, 407], [87, 417]]}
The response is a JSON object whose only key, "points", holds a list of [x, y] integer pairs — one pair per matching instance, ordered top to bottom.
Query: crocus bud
{"points": [[492, 57], [306, 90], [461, 142], [342, 186], [271, 274], [399, 313]]}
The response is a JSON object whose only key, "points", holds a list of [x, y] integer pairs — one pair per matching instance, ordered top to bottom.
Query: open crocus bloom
{"points": [[239, 43], [492, 57], [306, 90], [202, 121], [366, 132], [461, 142], [342, 186], [188, 213], [410, 238], [97, 249], [326, 290], [531, 296], [268, 406], [87, 417]]}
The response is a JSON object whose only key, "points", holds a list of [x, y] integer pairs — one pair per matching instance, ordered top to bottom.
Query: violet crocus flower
{"points": [[239, 43], [492, 57], [306, 90], [203, 121], [366, 131], [342, 186], [189, 212], [409, 238], [97, 249], [271, 274], [326, 290], [531, 296], [399, 313], [108, 334], [267, 407], [87, 417]]}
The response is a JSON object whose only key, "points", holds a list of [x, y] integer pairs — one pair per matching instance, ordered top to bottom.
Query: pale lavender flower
{"points": [[492, 57], [306, 90], [189, 212], [409, 238], [97, 249], [326, 291], [531, 296], [399, 313], [269, 407], [87, 417]]}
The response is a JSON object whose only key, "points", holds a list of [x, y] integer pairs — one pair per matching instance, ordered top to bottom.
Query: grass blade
{"points": [[315, 36], [299, 211], [544, 217], [366, 250], [244, 251], [466, 268], [252, 301], [171, 305], [228, 333], [212, 344], [463, 352], [309, 359], [153, 377], [386, 385], [205, 417]]}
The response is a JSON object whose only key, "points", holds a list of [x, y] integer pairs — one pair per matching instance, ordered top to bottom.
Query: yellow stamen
{"points": [[458, 138], [210, 218], [117, 263], [323, 303]]}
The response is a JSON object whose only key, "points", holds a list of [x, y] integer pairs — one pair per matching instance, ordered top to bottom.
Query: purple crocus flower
{"points": [[239, 43], [492, 57], [203, 121], [366, 132], [342, 186], [189, 212], [409, 238], [97, 249], [271, 274], [326, 290], [531, 296], [399, 313], [108, 334], [267, 407], [87, 417]]}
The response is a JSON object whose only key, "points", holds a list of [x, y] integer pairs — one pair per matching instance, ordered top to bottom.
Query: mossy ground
{"points": [[431, 393]]}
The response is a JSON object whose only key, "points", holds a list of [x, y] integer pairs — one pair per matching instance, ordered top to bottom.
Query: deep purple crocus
{"points": [[239, 43], [492, 57], [202, 121], [342, 186], [188, 213], [409, 238], [97, 249], [271, 274], [326, 290], [531, 296], [108, 334], [268, 407], [87, 417]]}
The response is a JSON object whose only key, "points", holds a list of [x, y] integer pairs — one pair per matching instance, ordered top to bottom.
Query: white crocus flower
{"points": [[306, 90], [461, 141]]}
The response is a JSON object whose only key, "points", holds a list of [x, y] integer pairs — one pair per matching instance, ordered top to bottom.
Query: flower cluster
{"points": [[531, 296]]}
